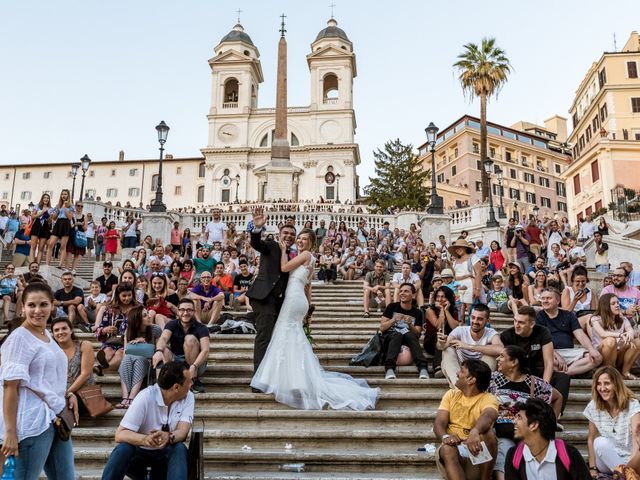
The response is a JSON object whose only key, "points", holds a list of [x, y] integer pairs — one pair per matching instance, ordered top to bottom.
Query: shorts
{"points": [[41, 230], [89, 243], [571, 355], [180, 358], [504, 444], [471, 472]]}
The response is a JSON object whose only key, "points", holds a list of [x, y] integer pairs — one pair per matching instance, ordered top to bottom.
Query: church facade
{"points": [[237, 159]]}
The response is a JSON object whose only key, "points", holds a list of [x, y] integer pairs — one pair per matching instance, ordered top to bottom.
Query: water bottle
{"points": [[9, 469], [148, 476]]}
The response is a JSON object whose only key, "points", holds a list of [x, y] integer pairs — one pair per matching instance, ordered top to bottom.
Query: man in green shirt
{"points": [[204, 264], [377, 288]]}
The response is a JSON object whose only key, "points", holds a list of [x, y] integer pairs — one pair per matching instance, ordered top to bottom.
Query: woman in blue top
{"points": [[62, 214]]}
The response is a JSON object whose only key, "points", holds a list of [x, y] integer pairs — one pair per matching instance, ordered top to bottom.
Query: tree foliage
{"points": [[400, 180]]}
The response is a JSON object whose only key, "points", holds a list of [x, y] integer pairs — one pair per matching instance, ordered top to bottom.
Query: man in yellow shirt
{"points": [[464, 420]]}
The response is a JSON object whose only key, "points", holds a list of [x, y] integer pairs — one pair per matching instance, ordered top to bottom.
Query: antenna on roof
{"points": [[238, 12], [615, 44]]}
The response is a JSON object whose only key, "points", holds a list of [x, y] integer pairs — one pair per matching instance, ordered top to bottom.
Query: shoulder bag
{"points": [[93, 400]]}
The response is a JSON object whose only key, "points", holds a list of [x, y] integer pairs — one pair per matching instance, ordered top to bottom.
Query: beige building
{"points": [[606, 131], [324, 155], [531, 157]]}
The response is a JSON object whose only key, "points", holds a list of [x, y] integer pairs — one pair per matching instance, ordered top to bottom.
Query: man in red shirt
{"points": [[533, 230], [176, 238], [223, 281]]}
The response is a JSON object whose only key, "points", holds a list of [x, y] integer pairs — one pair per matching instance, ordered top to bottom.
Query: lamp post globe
{"points": [[163, 131], [85, 163], [74, 171], [436, 204], [536, 210]]}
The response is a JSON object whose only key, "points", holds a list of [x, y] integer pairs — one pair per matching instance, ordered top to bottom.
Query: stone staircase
{"points": [[380, 444]]}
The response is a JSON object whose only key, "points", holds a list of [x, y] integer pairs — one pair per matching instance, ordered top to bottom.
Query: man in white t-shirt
{"points": [[215, 229], [407, 276], [476, 341], [154, 428]]}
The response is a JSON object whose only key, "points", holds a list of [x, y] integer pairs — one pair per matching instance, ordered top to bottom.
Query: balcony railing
{"points": [[330, 101], [230, 105]]}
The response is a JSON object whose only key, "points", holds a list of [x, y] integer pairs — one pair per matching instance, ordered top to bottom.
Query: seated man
{"points": [[348, 258], [204, 263], [540, 264], [33, 273], [405, 275], [108, 280], [223, 281], [241, 284], [377, 288], [628, 296], [211, 299], [94, 301], [70, 302], [401, 324], [564, 326], [185, 339], [477, 342], [537, 342], [464, 419], [154, 428], [539, 456]]}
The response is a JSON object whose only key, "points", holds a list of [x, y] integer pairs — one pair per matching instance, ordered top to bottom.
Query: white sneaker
{"points": [[390, 374], [423, 375]]}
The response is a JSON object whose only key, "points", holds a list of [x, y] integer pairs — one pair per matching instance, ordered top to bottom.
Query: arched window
{"points": [[330, 88], [230, 99], [265, 140], [294, 140], [201, 169], [154, 182], [201, 194]]}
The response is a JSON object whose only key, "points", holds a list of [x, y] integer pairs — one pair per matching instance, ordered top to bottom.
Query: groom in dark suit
{"points": [[266, 294]]}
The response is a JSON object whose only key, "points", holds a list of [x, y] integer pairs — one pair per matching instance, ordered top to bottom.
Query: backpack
{"points": [[561, 448]]}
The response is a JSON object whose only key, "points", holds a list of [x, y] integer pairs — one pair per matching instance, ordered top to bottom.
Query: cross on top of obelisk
{"points": [[238, 12], [282, 29]]}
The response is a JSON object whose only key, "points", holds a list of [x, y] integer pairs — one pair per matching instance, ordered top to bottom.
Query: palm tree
{"points": [[483, 70]]}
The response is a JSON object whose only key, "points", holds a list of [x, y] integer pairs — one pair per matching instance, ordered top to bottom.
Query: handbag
{"points": [[27, 231], [80, 239], [115, 341], [145, 350], [370, 354], [93, 400], [64, 421], [195, 461]]}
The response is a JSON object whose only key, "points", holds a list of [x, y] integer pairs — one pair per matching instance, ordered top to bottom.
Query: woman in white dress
{"points": [[290, 370]]}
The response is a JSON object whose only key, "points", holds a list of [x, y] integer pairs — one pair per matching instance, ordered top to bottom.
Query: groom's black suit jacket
{"points": [[270, 280]]}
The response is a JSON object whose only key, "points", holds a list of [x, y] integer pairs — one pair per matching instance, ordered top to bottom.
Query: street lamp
{"points": [[85, 163], [488, 166], [74, 172], [237, 186], [338, 187], [436, 201], [157, 205], [535, 211], [501, 213], [516, 214]]}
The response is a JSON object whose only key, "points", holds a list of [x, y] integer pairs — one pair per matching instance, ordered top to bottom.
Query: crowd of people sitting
{"points": [[153, 314]]}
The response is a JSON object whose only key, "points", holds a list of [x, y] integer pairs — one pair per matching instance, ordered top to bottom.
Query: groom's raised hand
{"points": [[259, 217]]}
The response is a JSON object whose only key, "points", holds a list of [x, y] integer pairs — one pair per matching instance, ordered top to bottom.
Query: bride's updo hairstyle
{"points": [[312, 237]]}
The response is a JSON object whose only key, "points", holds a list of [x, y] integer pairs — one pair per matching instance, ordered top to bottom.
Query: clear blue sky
{"points": [[96, 77]]}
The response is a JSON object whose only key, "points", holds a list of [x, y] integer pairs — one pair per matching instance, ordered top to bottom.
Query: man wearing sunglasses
{"points": [[185, 339], [153, 431]]}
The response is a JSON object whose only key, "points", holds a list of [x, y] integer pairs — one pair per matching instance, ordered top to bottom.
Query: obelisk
{"points": [[280, 153]]}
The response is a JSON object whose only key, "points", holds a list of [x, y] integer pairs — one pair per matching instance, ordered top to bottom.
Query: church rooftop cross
{"points": [[238, 12], [282, 29]]}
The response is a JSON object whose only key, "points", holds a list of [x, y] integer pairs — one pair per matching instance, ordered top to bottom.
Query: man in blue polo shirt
{"points": [[211, 299]]}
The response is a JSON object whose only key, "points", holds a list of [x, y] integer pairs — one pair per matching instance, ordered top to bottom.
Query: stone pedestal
{"points": [[279, 181], [158, 225], [432, 226]]}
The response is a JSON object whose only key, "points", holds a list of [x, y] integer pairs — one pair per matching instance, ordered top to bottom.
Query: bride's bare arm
{"points": [[287, 265]]}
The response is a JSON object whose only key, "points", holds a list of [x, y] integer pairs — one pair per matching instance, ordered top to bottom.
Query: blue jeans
{"points": [[130, 242], [99, 248], [603, 268], [48, 452], [127, 459]]}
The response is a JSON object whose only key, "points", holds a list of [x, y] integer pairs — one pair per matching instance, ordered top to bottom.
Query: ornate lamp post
{"points": [[85, 163], [488, 167], [74, 172], [237, 186], [338, 187], [436, 201], [157, 205], [535, 211], [501, 212], [516, 213]]}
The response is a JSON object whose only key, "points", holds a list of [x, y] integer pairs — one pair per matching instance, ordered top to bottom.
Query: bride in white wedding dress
{"points": [[290, 370]]}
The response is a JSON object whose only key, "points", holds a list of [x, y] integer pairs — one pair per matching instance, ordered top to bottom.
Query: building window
{"points": [[632, 69], [602, 77], [635, 104], [604, 113], [574, 119], [595, 124], [587, 133], [294, 140], [476, 148], [455, 152], [492, 152], [507, 156], [525, 161], [479, 165], [558, 167], [201, 169], [178, 170], [453, 171], [113, 172], [133, 172], [595, 172], [92, 173], [26, 175], [46, 175], [7, 176], [529, 177], [440, 178], [154, 182], [544, 182], [576, 184], [478, 186], [177, 190], [498, 190], [561, 190], [330, 191], [112, 192], [134, 192], [90, 193], [226, 193], [201, 194], [514, 194], [5, 195], [25, 196], [531, 197], [545, 202], [562, 206], [598, 206]]}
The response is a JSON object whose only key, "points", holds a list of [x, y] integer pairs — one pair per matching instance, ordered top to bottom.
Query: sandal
{"points": [[366, 315], [101, 357], [98, 370], [629, 376], [124, 403]]}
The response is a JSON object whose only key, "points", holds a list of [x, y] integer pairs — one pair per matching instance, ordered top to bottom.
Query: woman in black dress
{"points": [[62, 215], [41, 227]]}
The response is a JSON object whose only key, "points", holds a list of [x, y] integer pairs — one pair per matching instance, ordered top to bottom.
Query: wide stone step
{"points": [[91, 474]]}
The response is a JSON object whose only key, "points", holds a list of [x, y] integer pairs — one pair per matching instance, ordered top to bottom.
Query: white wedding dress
{"points": [[291, 371]]}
